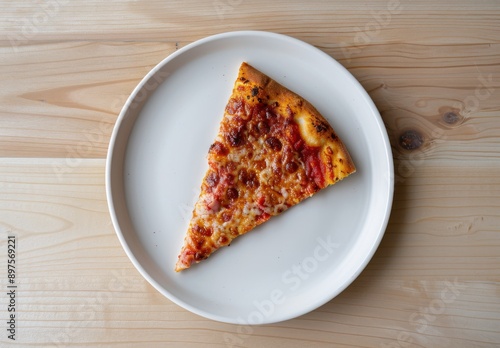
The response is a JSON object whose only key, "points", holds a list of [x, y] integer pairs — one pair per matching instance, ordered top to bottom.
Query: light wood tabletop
{"points": [[431, 67]]}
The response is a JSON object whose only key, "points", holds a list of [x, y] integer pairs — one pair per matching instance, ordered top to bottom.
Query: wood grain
{"points": [[191, 19], [433, 71], [62, 99], [37, 104], [79, 287]]}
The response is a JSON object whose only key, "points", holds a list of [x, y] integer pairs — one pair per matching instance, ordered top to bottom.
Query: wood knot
{"points": [[450, 117], [411, 140]]}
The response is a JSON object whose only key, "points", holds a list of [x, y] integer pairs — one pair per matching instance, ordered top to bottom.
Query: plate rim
{"points": [[119, 123]]}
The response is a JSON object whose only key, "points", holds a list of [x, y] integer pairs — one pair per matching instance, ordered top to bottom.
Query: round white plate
{"points": [[293, 263]]}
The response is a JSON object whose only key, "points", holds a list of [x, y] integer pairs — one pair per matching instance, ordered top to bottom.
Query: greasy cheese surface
{"points": [[264, 160], [254, 173]]}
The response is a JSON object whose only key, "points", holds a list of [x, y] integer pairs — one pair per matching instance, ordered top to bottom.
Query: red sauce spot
{"points": [[233, 106], [259, 112], [270, 114], [263, 127], [292, 134], [235, 137], [274, 143], [218, 148], [309, 155], [260, 165], [314, 165], [291, 167], [248, 178], [212, 179], [226, 180], [232, 193], [262, 201], [263, 217], [207, 232], [223, 240], [197, 241]]}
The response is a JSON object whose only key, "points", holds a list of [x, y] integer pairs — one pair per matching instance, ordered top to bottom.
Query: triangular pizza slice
{"points": [[273, 150]]}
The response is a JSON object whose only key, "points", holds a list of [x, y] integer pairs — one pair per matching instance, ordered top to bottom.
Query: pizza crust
{"points": [[314, 128], [273, 150]]}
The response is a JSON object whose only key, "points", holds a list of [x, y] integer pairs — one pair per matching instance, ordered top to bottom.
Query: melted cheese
{"points": [[307, 131], [250, 179]]}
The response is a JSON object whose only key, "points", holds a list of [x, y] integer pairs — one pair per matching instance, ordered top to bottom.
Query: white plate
{"points": [[293, 263]]}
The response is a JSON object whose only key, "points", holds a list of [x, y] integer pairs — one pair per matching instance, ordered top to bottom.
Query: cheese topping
{"points": [[266, 158], [259, 167]]}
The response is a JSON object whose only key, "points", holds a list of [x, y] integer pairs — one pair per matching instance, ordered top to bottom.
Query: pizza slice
{"points": [[273, 150]]}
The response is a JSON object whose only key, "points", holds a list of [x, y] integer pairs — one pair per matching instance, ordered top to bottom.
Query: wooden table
{"points": [[431, 67]]}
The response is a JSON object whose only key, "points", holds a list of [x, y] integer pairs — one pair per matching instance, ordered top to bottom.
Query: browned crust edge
{"points": [[249, 77], [319, 127]]}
